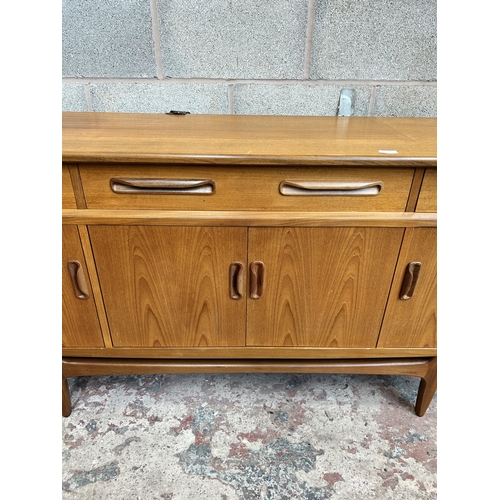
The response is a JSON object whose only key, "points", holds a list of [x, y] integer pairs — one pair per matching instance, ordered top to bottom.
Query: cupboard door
{"points": [[172, 286], [319, 287], [411, 321], [80, 324]]}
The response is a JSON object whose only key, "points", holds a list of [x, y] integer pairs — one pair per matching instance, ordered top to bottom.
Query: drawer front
{"points": [[177, 187], [68, 198], [427, 199]]}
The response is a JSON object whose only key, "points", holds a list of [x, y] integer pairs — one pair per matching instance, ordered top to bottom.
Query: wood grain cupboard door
{"points": [[172, 286], [319, 287], [411, 316], [80, 324]]}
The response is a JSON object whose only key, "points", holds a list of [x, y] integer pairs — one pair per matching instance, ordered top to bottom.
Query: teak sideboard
{"points": [[227, 243]]}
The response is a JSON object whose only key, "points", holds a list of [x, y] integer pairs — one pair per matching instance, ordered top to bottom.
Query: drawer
{"points": [[179, 187], [68, 198], [427, 199]]}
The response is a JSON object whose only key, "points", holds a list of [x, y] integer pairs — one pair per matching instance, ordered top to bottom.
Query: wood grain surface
{"points": [[247, 140], [256, 188], [68, 198], [427, 200], [251, 218], [169, 286], [323, 287], [413, 322], [80, 325], [250, 352], [416, 367]]}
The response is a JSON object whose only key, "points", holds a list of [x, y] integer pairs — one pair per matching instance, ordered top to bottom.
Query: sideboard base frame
{"points": [[424, 368]]}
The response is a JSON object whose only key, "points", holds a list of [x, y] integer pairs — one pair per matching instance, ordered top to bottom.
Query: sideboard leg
{"points": [[427, 388], [66, 398]]}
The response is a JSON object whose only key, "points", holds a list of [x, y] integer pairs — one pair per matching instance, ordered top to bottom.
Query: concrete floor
{"points": [[248, 436]]}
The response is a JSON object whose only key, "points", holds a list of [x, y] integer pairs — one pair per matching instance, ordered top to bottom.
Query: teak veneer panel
{"points": [[247, 139], [256, 188], [250, 218], [169, 286], [322, 287], [413, 322], [80, 324], [250, 352]]}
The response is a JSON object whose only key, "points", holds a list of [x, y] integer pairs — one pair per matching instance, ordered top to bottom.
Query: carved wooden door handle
{"points": [[78, 279], [256, 279], [236, 280], [410, 280]]}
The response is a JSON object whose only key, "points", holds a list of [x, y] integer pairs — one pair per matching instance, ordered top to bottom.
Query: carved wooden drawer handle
{"points": [[162, 186], [324, 188], [78, 279], [256, 279], [236, 280], [410, 280]]}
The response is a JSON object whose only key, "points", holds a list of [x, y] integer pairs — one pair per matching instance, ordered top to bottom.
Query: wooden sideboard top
{"points": [[248, 139]]}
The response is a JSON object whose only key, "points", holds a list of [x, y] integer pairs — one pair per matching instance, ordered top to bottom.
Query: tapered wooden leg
{"points": [[427, 388], [66, 398]]}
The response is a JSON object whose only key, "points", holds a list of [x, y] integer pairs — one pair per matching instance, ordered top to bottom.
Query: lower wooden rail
{"points": [[425, 368]]}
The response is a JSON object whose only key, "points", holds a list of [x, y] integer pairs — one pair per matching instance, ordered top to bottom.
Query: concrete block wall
{"points": [[283, 57]]}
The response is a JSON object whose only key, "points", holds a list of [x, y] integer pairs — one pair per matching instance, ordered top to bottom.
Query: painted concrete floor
{"points": [[248, 436]]}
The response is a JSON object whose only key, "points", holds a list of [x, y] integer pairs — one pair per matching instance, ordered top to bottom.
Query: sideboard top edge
{"points": [[248, 139], [365, 161]]}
